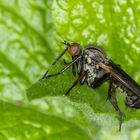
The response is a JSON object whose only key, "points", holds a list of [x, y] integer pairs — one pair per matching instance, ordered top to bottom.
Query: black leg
{"points": [[57, 58], [65, 62], [73, 67], [74, 70], [62, 71], [43, 77], [83, 79], [99, 81], [74, 84], [113, 100]]}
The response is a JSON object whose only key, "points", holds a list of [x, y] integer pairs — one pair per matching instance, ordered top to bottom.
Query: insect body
{"points": [[92, 67]]}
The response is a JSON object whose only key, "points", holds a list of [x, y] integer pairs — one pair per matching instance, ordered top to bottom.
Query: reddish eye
{"points": [[73, 49]]}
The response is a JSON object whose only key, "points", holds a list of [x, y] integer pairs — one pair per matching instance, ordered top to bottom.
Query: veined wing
{"points": [[121, 76]]}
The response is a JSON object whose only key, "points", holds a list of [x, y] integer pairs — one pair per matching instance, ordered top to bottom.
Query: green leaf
{"points": [[31, 33], [24, 43], [19, 122]]}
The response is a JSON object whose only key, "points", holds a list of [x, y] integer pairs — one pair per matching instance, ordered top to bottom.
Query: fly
{"points": [[91, 66]]}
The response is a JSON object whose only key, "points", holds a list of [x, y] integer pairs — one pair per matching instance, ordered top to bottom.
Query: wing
{"points": [[121, 76]]}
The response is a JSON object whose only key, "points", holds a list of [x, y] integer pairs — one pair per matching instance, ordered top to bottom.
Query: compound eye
{"points": [[73, 49]]}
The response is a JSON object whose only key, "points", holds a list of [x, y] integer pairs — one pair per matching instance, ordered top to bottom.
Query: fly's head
{"points": [[74, 49]]}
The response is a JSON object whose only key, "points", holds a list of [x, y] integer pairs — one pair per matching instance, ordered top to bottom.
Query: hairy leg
{"points": [[113, 100]]}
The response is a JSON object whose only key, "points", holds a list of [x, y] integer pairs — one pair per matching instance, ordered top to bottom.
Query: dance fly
{"points": [[92, 67]]}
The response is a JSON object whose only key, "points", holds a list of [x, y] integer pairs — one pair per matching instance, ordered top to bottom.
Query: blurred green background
{"points": [[31, 32]]}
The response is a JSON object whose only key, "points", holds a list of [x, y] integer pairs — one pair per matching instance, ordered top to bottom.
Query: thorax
{"points": [[91, 58]]}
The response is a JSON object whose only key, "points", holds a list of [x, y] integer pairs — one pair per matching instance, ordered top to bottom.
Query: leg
{"points": [[57, 59], [65, 62], [73, 67], [62, 71], [45, 75], [83, 79], [99, 81], [74, 84], [113, 100]]}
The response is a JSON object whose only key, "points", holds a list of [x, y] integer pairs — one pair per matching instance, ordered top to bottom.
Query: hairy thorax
{"points": [[90, 65]]}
